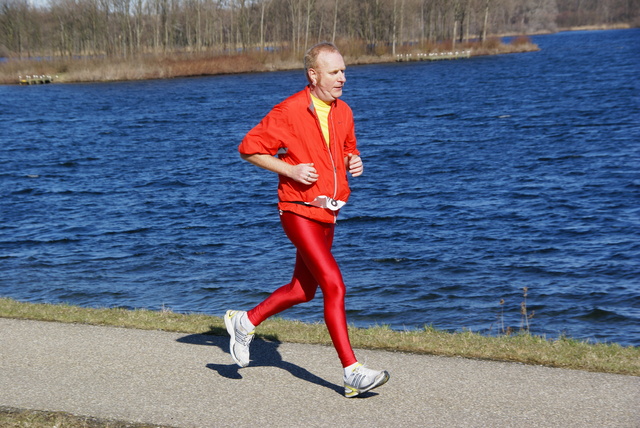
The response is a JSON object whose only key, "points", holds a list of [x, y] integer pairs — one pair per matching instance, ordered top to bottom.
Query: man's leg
{"points": [[313, 240]]}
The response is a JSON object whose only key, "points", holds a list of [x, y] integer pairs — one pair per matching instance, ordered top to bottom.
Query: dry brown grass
{"points": [[185, 64], [197, 65], [65, 70]]}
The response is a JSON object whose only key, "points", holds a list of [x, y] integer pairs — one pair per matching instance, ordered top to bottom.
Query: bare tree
{"points": [[128, 27]]}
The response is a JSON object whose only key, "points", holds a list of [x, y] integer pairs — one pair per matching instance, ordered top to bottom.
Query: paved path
{"points": [[189, 381]]}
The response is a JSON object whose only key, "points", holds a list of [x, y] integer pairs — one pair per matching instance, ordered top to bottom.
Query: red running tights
{"points": [[315, 266]]}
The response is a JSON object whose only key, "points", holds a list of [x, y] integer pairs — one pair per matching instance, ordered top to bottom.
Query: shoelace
{"points": [[243, 338], [355, 379]]}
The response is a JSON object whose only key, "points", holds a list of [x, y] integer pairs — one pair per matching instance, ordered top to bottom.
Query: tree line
{"points": [[127, 28]]}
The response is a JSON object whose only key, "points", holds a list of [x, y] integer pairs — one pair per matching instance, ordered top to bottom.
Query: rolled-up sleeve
{"points": [[268, 136]]}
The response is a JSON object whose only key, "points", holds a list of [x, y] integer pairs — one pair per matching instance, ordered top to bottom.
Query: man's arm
{"points": [[303, 173]]}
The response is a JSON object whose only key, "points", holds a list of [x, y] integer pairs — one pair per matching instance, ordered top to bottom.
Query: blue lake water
{"points": [[482, 176]]}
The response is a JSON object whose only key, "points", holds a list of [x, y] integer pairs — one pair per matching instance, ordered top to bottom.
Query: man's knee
{"points": [[334, 289]]}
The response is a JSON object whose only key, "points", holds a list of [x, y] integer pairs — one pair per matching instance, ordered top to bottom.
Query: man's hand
{"points": [[355, 166], [304, 173]]}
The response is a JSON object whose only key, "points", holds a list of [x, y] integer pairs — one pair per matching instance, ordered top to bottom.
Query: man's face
{"points": [[328, 76]]}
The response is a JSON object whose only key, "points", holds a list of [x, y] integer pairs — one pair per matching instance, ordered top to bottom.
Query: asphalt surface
{"points": [[190, 381]]}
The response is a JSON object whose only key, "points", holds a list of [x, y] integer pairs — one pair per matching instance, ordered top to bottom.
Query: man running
{"points": [[309, 141]]}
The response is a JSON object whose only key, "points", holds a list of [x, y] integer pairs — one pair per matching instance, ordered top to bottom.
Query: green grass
{"points": [[522, 348]]}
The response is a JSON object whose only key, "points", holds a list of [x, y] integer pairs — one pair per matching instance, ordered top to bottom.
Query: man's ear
{"points": [[313, 76]]}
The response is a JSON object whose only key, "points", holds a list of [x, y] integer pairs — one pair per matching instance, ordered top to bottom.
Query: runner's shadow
{"points": [[264, 353]]}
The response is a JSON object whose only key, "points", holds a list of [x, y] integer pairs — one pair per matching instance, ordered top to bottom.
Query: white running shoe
{"points": [[240, 338], [362, 379]]}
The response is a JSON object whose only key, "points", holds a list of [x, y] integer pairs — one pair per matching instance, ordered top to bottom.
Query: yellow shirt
{"points": [[322, 110]]}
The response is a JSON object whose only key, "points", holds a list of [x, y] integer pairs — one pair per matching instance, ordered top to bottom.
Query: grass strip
{"points": [[521, 348], [20, 418]]}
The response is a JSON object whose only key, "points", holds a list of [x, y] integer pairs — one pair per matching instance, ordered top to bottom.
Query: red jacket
{"points": [[292, 131]]}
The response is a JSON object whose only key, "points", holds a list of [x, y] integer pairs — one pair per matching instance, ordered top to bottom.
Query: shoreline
{"points": [[178, 65], [521, 347]]}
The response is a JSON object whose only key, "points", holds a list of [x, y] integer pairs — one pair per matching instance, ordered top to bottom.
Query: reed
{"points": [[525, 315]]}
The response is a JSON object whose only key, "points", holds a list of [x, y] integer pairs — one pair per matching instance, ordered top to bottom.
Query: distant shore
{"points": [[190, 64], [84, 70]]}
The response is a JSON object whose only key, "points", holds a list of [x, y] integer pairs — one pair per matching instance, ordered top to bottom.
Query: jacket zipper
{"points": [[328, 148]]}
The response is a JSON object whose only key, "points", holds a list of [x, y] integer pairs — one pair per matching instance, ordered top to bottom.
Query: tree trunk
{"points": [[485, 21], [335, 22], [262, 25], [393, 42]]}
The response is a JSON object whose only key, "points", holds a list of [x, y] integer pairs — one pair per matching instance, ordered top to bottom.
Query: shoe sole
{"points": [[228, 322], [351, 392]]}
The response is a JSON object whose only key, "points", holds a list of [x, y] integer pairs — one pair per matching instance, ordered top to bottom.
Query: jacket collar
{"points": [[310, 106]]}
